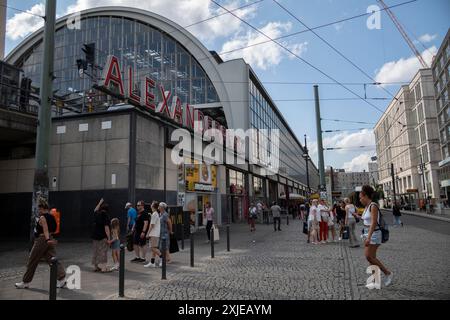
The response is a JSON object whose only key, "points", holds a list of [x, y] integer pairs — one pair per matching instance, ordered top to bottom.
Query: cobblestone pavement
{"points": [[262, 265]]}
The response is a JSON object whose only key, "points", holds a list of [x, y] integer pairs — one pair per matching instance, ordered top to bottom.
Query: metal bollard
{"points": [[287, 219], [182, 237], [228, 238], [212, 243], [164, 247], [192, 250], [122, 272], [53, 278]]}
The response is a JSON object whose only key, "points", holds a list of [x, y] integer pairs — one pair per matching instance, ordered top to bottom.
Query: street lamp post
{"points": [[307, 158]]}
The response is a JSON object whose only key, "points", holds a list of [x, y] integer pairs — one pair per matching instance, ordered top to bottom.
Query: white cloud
{"points": [[183, 12], [22, 24], [427, 38], [264, 55], [403, 70], [345, 140], [359, 163]]}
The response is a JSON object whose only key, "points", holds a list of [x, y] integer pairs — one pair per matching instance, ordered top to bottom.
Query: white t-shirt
{"points": [[315, 210], [351, 211], [324, 212], [367, 216], [157, 225]]}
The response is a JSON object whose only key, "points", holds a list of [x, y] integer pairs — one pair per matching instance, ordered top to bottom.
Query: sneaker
{"points": [[340, 239], [323, 242], [135, 259], [143, 260], [160, 263], [150, 264], [114, 268], [388, 279], [61, 283], [22, 285]]}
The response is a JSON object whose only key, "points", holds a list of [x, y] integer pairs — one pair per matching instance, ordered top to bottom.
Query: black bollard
{"points": [[287, 219], [182, 237], [228, 238], [212, 242], [164, 246], [192, 250], [122, 272], [53, 278]]}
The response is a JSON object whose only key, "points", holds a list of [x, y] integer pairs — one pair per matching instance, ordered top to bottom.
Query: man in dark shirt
{"points": [[139, 232]]}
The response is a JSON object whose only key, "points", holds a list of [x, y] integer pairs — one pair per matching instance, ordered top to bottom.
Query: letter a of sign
{"points": [[112, 76]]}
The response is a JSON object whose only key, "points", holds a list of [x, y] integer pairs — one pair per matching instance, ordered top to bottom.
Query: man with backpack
{"points": [[44, 247]]}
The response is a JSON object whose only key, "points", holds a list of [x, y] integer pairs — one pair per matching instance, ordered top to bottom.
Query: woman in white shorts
{"points": [[372, 232]]}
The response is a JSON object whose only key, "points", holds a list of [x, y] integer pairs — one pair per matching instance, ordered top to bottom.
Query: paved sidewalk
{"points": [[443, 215], [262, 265]]}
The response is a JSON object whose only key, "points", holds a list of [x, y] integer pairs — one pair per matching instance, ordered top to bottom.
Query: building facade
{"points": [[441, 78], [114, 121], [407, 137], [373, 173], [341, 184]]}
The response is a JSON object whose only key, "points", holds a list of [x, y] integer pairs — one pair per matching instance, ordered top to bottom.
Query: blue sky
{"points": [[369, 49]]}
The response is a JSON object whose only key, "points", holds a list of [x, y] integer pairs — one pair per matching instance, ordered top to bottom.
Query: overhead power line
{"points": [[23, 11], [332, 47], [300, 58]]}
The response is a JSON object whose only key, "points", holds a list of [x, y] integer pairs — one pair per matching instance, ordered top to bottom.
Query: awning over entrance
{"points": [[293, 196]]}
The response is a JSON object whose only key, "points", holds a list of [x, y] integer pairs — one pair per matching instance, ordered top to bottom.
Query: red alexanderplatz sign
{"points": [[170, 107]]}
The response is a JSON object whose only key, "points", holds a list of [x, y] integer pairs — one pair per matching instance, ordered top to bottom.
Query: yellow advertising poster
{"points": [[200, 177]]}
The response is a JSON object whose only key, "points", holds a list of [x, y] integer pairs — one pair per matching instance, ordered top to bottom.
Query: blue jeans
{"points": [[397, 220]]}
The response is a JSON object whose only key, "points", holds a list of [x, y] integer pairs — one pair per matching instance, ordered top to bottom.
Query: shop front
{"points": [[197, 187], [237, 195]]}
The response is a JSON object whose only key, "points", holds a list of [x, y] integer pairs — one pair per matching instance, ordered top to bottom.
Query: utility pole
{"points": [[3, 6], [319, 139], [306, 156], [422, 170], [41, 181], [393, 182]]}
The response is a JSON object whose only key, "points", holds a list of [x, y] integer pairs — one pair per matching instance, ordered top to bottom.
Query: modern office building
{"points": [[441, 78], [114, 116], [406, 136], [373, 173], [341, 184]]}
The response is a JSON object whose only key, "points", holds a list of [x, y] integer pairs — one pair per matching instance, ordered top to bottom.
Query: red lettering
{"points": [[113, 75], [133, 97], [149, 97], [163, 106], [178, 111], [189, 117]]}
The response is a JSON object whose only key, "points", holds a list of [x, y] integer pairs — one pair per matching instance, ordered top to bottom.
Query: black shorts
{"points": [[138, 241]]}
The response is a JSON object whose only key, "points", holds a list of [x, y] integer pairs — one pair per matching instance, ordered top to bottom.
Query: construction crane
{"points": [[404, 34]]}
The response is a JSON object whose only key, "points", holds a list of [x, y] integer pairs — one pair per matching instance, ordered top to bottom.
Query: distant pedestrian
{"points": [[302, 212], [324, 213], [276, 214], [397, 214], [253, 215], [131, 216], [208, 216], [340, 218], [313, 222], [350, 222], [332, 225], [166, 231], [140, 232], [372, 233], [154, 234], [100, 237], [115, 242], [43, 247]]}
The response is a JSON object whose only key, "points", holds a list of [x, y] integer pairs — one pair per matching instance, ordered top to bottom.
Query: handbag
{"points": [[382, 226], [305, 227], [216, 233], [346, 233], [130, 246], [173, 247]]}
